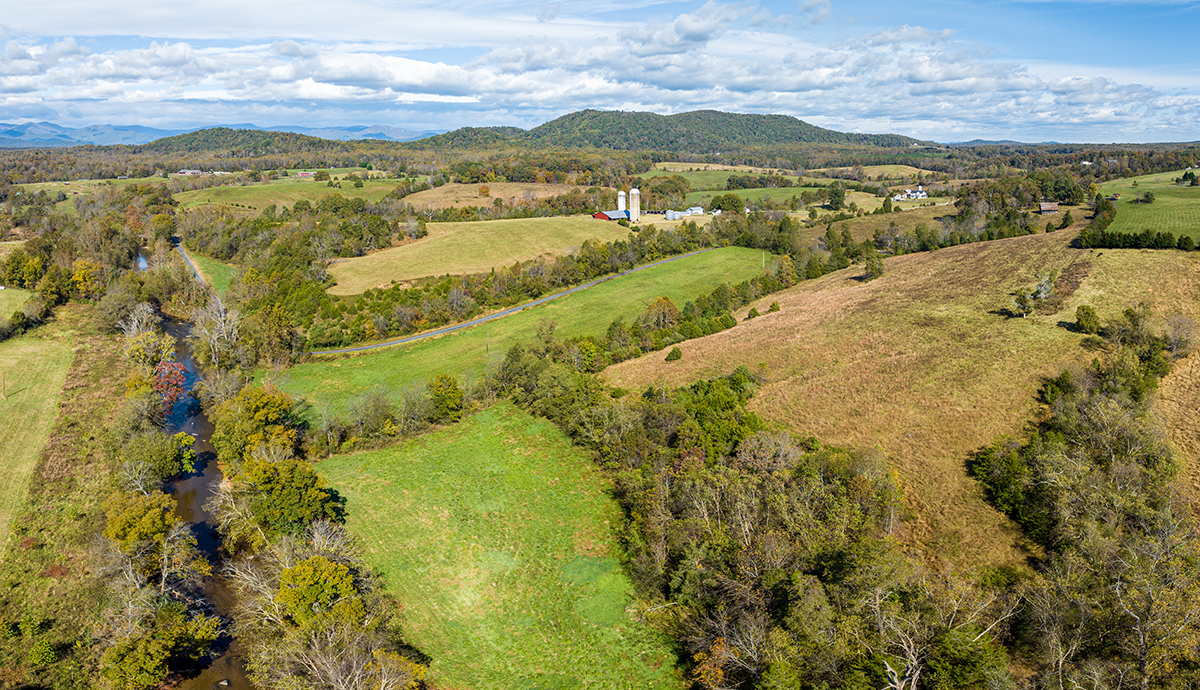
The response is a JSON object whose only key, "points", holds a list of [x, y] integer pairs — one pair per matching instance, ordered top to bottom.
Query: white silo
{"points": [[620, 201], [635, 205]]}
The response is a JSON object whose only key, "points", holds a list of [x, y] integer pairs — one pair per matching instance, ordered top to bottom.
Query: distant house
{"points": [[305, 174], [910, 195], [1048, 207]]}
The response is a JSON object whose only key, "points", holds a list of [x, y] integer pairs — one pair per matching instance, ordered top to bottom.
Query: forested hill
{"points": [[702, 131], [245, 143]]}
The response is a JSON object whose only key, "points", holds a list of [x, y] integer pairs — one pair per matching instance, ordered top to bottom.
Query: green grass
{"points": [[709, 179], [283, 192], [1176, 209], [458, 248], [217, 273], [11, 300], [466, 352], [33, 368], [495, 535]]}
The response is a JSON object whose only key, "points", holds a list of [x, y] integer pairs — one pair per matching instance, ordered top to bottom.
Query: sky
{"points": [[940, 70]]}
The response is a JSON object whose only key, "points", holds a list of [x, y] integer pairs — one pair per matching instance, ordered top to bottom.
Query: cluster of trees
{"points": [[1115, 601]]}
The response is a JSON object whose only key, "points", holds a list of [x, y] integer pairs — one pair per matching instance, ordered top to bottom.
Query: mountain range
{"points": [[44, 134]]}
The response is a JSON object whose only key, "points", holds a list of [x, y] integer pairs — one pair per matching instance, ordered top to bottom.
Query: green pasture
{"points": [[876, 172], [711, 179], [1176, 208], [458, 248], [217, 273], [11, 300], [473, 351], [32, 371], [495, 536]]}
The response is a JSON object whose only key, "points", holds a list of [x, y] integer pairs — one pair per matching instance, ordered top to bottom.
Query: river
{"points": [[192, 491]]}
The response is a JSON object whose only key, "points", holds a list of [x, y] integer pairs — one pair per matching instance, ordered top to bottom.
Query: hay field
{"points": [[878, 172], [455, 195], [1176, 208], [458, 248], [472, 351], [920, 366], [33, 368], [495, 535]]}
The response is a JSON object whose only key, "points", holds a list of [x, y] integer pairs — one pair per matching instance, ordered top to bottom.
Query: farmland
{"points": [[878, 172], [282, 192], [456, 195], [1176, 208], [476, 247], [466, 352], [922, 365], [33, 369], [505, 568]]}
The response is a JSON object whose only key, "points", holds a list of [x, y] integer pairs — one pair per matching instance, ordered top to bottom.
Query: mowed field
{"points": [[878, 172], [456, 195], [1176, 208], [476, 247], [472, 351], [922, 366], [33, 368], [495, 535]]}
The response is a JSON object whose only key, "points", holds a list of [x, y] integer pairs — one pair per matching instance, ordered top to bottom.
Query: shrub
{"points": [[774, 308], [753, 313], [1086, 320], [674, 354], [42, 653]]}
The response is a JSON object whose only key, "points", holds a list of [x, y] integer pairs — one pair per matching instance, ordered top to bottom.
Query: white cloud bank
{"points": [[309, 65]]}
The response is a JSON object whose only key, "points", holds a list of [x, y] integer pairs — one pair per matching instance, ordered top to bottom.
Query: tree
{"points": [[837, 196], [728, 203], [1067, 220], [873, 267], [661, 314], [148, 349], [168, 383], [446, 397], [255, 417], [286, 495], [138, 523], [316, 586]]}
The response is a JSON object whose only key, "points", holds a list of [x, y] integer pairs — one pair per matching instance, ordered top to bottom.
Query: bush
{"points": [[774, 308], [753, 313], [1086, 320], [674, 354], [42, 653]]}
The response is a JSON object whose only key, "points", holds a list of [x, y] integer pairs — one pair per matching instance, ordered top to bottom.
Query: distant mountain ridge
{"points": [[701, 131], [45, 134]]}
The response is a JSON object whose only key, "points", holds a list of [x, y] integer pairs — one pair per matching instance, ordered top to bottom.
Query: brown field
{"points": [[456, 195], [922, 366]]}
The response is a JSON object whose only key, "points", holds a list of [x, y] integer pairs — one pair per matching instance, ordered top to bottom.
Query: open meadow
{"points": [[878, 172], [283, 192], [455, 195], [1176, 208], [475, 247], [216, 273], [11, 300], [472, 351], [923, 366], [32, 369], [495, 536]]}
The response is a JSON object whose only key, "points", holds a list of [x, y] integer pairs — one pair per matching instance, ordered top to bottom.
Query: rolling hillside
{"points": [[924, 366]]}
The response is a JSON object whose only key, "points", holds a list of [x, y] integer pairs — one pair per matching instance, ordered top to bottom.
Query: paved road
{"points": [[506, 312]]}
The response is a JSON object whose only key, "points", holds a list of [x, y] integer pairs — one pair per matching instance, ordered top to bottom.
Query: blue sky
{"points": [[945, 70]]}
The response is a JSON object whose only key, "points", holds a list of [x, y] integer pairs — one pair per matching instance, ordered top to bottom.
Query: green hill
{"points": [[702, 131], [245, 143]]}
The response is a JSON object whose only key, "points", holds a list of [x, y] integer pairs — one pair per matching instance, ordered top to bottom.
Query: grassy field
{"points": [[879, 172], [282, 192], [456, 195], [1176, 209], [458, 248], [216, 273], [11, 300], [466, 352], [923, 366], [33, 368], [495, 535]]}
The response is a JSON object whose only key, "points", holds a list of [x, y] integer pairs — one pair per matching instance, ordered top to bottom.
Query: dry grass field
{"points": [[878, 172], [456, 195], [458, 248], [923, 367]]}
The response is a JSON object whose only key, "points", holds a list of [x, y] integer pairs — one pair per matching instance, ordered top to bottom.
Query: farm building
{"points": [[305, 174], [910, 195], [1048, 207], [633, 213], [611, 215]]}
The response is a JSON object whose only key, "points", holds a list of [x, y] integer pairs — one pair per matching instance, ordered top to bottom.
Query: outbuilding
{"points": [[1048, 207]]}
